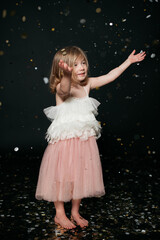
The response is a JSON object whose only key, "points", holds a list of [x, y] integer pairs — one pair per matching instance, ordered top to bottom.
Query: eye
{"points": [[84, 62], [75, 64]]}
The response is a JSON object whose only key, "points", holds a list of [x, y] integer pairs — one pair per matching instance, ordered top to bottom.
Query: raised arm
{"points": [[116, 72], [63, 88]]}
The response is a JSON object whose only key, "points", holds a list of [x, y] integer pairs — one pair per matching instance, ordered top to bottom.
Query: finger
{"points": [[133, 51], [143, 54], [60, 62], [65, 66], [70, 69]]}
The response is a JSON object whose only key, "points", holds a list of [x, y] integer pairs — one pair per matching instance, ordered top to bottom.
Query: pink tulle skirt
{"points": [[70, 169]]}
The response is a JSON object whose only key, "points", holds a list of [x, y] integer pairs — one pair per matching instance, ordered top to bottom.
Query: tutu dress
{"points": [[71, 166]]}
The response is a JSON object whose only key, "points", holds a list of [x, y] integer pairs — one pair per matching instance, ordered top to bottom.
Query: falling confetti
{"points": [[98, 10], [4, 13], [24, 19], [82, 21], [24, 36], [1, 53], [153, 55], [45, 79], [16, 149]]}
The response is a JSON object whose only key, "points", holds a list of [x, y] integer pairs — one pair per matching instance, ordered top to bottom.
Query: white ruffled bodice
{"points": [[75, 117]]}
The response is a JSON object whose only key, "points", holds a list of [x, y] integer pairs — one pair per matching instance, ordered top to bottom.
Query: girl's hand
{"points": [[136, 58], [64, 66]]}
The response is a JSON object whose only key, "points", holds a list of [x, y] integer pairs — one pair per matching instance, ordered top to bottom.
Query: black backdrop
{"points": [[32, 32]]}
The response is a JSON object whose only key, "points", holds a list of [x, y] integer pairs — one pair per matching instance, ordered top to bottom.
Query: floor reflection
{"points": [[129, 210]]}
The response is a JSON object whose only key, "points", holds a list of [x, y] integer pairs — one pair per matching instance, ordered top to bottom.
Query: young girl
{"points": [[71, 168]]}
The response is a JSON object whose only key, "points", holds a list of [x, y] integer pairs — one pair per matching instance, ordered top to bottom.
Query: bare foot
{"points": [[79, 220], [64, 222]]}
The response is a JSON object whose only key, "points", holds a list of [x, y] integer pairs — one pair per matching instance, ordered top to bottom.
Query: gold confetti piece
{"points": [[98, 10], [4, 13], [24, 19], [52, 29], [23, 35], [7, 41], [109, 42], [1, 53], [64, 53], [31, 60], [97, 88], [0, 104], [119, 139]]}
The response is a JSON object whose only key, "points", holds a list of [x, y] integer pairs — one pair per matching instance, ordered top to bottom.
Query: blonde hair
{"points": [[68, 55]]}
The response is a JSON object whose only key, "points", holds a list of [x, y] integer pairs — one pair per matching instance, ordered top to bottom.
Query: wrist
{"points": [[129, 61]]}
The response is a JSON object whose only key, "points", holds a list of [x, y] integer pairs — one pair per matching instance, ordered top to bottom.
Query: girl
{"points": [[71, 167]]}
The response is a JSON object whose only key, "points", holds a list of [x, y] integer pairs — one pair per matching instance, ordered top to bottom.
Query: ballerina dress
{"points": [[71, 166]]}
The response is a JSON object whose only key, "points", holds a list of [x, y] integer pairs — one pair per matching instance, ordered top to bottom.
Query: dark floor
{"points": [[129, 210]]}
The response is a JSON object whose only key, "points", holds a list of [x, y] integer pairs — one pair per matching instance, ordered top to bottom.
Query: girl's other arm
{"points": [[116, 72], [63, 88]]}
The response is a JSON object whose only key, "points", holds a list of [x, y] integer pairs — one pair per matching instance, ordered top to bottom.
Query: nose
{"points": [[81, 66]]}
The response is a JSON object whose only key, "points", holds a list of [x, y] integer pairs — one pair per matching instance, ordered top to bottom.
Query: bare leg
{"points": [[75, 213], [61, 217]]}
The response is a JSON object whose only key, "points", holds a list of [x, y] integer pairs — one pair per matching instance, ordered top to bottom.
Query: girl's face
{"points": [[80, 69]]}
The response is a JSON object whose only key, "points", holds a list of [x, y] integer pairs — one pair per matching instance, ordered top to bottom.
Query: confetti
{"points": [[98, 10], [4, 13], [24, 19], [82, 21], [24, 36], [1, 53], [153, 55], [45, 79], [16, 149]]}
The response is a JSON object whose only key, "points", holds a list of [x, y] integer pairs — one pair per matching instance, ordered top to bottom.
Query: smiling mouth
{"points": [[81, 74]]}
